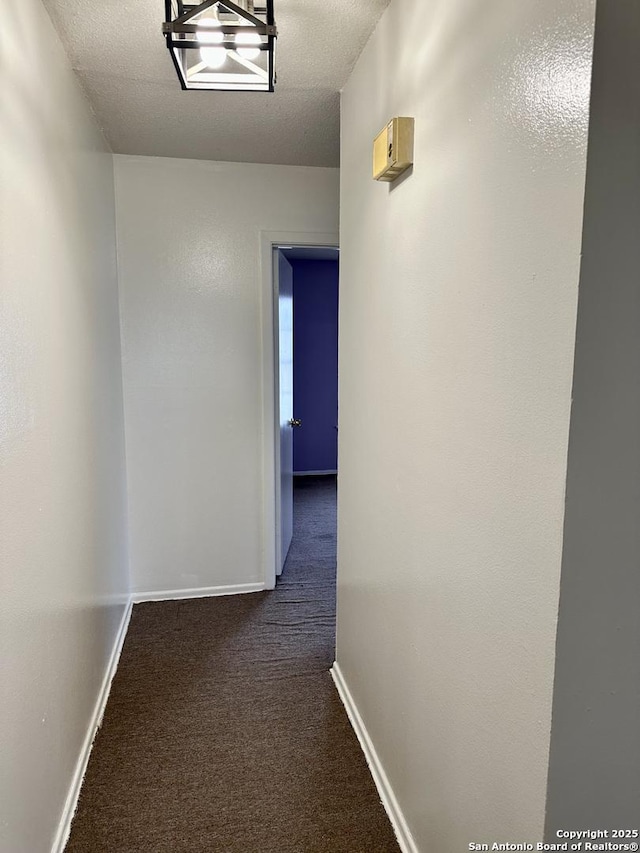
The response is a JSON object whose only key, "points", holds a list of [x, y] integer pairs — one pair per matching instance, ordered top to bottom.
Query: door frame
{"points": [[271, 501]]}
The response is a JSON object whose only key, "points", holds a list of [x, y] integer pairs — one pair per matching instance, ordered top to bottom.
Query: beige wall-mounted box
{"points": [[393, 149]]}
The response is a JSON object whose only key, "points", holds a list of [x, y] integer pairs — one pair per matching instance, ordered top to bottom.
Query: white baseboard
{"points": [[197, 592], [388, 798], [64, 827]]}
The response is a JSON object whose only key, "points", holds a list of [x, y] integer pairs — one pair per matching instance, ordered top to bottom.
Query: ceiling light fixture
{"points": [[223, 46]]}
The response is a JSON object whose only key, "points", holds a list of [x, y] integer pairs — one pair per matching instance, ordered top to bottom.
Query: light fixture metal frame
{"points": [[176, 28]]}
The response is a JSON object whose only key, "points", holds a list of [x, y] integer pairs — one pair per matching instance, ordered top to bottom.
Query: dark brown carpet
{"points": [[224, 733]]}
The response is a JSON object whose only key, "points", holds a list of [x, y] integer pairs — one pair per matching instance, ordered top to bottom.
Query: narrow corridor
{"points": [[224, 732]]}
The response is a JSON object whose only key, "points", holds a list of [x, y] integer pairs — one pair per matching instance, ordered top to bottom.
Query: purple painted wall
{"points": [[315, 364]]}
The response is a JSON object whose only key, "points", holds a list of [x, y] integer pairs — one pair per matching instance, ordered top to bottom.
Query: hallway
{"points": [[479, 650], [224, 732]]}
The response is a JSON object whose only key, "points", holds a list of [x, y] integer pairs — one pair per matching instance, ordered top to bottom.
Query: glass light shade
{"points": [[222, 45]]}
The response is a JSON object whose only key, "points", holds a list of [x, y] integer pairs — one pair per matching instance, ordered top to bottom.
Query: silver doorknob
{"points": [[294, 422]]}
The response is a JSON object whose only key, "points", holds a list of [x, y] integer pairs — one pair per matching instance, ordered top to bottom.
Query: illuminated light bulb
{"points": [[250, 53], [214, 57]]}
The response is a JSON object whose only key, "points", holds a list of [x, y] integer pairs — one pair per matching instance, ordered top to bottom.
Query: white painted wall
{"points": [[189, 261], [457, 321], [63, 569], [594, 765]]}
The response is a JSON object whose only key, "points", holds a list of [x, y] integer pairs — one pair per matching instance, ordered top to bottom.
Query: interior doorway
{"points": [[307, 282], [300, 387]]}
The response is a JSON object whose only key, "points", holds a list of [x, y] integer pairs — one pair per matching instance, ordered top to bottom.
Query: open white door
{"points": [[285, 339], [277, 360]]}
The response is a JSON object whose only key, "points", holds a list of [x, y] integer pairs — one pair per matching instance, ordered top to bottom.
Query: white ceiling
{"points": [[119, 54]]}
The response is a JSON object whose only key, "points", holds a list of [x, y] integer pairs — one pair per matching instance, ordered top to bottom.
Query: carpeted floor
{"points": [[224, 733]]}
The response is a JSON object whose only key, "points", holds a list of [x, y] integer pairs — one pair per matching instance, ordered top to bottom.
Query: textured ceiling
{"points": [[119, 54]]}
